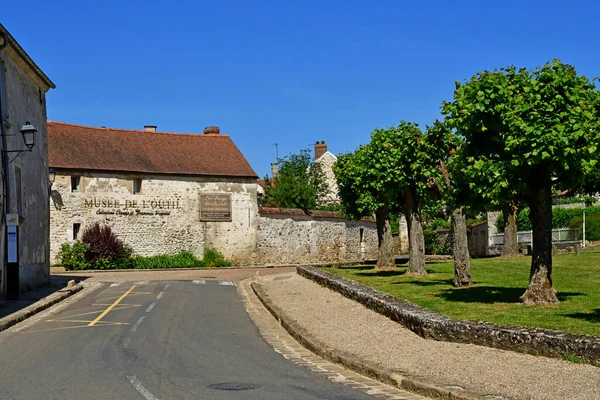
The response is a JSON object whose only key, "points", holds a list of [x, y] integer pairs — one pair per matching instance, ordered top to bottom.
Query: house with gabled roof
{"points": [[160, 192], [24, 247]]}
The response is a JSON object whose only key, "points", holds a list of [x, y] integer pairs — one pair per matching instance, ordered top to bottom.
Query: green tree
{"points": [[528, 130], [299, 184], [362, 194]]}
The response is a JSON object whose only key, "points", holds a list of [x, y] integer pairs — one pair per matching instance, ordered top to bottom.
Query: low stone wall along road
{"points": [[152, 340]]}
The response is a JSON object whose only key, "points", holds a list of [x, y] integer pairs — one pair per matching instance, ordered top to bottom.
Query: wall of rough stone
{"points": [[24, 99], [327, 161], [164, 218], [292, 236]]}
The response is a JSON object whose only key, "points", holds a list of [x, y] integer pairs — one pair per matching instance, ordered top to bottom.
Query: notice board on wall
{"points": [[215, 208]]}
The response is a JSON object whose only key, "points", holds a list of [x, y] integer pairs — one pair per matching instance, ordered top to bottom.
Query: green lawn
{"points": [[498, 283]]}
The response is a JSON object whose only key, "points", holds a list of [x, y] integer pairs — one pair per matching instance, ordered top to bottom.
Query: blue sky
{"points": [[291, 72]]}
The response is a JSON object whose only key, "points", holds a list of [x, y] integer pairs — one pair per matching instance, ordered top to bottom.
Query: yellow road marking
{"points": [[132, 294], [99, 317], [86, 321]]}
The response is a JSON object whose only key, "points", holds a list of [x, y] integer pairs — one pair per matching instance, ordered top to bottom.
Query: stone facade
{"points": [[23, 88], [327, 160], [163, 218], [289, 236]]}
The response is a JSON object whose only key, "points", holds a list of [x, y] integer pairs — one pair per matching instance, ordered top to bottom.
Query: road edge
{"points": [[39, 306], [364, 367]]}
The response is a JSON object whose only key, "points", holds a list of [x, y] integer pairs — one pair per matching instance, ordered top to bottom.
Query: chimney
{"points": [[150, 128], [212, 130], [320, 149], [274, 169]]}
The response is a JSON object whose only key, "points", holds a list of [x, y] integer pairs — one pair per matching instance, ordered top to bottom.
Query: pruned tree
{"points": [[528, 130], [442, 149], [402, 157], [299, 184], [362, 194]]}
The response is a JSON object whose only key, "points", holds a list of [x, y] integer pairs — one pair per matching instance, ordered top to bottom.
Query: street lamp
{"points": [[28, 131], [51, 178]]}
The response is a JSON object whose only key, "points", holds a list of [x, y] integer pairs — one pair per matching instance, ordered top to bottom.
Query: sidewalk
{"points": [[350, 328]]}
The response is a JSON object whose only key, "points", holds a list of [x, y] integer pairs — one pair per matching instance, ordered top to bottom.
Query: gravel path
{"points": [[346, 325]]}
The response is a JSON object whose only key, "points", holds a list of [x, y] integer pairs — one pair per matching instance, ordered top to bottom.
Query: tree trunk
{"points": [[416, 239], [511, 245], [460, 249], [385, 259], [540, 290]]}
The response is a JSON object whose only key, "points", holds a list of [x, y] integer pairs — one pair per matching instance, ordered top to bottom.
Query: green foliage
{"points": [[525, 128], [300, 183], [588, 200], [561, 217], [592, 226], [436, 243], [72, 256], [212, 258], [184, 259]]}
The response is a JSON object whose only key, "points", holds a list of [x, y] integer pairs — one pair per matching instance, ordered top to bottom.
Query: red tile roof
{"points": [[106, 149]]}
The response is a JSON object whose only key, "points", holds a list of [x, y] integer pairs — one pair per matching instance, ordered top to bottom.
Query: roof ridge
{"points": [[141, 130]]}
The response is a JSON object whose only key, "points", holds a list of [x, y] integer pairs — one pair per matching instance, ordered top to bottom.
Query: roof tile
{"points": [[106, 149]]}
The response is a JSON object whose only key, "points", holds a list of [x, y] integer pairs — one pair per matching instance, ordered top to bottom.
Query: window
{"points": [[75, 180], [137, 186], [76, 227]]}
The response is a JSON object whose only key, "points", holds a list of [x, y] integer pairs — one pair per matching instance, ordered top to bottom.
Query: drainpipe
{"points": [[6, 210]]}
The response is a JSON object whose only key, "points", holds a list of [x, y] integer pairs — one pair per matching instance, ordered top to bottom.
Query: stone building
{"points": [[327, 160], [161, 192], [24, 250]]}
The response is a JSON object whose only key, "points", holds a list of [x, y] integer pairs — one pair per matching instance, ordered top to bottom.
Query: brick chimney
{"points": [[150, 128], [212, 130], [320, 149]]}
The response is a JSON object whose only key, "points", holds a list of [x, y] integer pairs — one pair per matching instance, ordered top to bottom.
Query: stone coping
{"points": [[296, 212], [433, 325]]}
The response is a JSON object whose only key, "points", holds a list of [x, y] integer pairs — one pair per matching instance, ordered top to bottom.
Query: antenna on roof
{"points": [[276, 150]]}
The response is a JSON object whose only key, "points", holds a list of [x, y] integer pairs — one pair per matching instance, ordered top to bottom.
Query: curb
{"points": [[274, 266], [38, 306], [357, 364]]}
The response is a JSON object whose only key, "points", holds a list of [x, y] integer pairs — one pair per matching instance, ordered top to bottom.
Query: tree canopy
{"points": [[525, 131], [299, 184]]}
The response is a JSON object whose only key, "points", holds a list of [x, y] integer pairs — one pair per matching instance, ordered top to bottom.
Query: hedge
{"points": [[561, 218], [592, 226]]}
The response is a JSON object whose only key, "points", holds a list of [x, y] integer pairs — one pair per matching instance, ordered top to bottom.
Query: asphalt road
{"points": [[154, 340]]}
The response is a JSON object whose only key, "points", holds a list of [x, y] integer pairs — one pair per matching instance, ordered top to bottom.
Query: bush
{"points": [[561, 217], [592, 227], [435, 243], [104, 244], [72, 256], [212, 258], [185, 259]]}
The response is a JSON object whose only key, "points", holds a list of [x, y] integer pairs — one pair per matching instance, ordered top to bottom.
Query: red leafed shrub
{"points": [[104, 244]]}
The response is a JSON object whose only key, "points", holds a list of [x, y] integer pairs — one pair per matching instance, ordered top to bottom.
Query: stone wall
{"points": [[24, 100], [164, 218], [293, 236], [433, 325]]}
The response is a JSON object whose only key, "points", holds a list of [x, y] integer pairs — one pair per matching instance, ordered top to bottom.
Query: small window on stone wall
{"points": [[75, 180], [137, 186], [76, 227]]}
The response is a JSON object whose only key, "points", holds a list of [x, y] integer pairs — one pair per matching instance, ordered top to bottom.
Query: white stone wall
{"points": [[24, 99], [164, 218], [285, 239]]}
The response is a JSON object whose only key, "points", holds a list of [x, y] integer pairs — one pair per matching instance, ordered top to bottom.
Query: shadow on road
{"points": [[27, 298]]}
